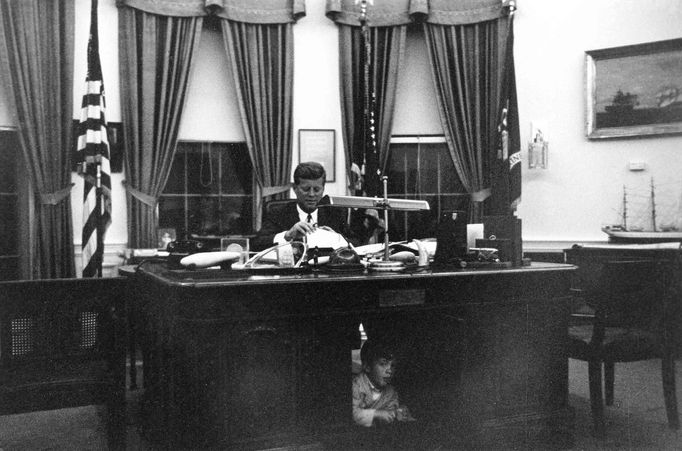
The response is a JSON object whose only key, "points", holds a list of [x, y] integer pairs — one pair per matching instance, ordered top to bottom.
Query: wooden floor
{"points": [[636, 422]]}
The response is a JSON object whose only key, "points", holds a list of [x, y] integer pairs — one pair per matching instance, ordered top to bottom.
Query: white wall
{"points": [[317, 103], [582, 188], [567, 202]]}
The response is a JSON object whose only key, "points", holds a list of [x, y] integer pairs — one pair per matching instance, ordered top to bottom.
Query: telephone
{"points": [[179, 249]]}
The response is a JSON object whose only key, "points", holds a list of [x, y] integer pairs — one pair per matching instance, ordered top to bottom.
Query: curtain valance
{"points": [[248, 11], [383, 13]]}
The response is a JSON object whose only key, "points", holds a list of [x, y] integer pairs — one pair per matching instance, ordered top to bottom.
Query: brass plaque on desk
{"points": [[395, 298]]}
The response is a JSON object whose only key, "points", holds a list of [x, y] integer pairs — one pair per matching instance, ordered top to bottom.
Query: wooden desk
{"points": [[263, 361]]}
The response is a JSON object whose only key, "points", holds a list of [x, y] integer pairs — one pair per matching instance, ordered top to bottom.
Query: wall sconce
{"points": [[538, 150]]}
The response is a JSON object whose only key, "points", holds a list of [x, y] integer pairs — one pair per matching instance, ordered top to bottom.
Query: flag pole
{"points": [[100, 216]]}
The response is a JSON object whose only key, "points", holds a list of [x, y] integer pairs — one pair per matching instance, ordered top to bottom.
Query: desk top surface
{"points": [[657, 247], [218, 277]]}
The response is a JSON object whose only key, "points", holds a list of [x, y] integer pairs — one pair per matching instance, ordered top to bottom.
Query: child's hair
{"points": [[373, 350]]}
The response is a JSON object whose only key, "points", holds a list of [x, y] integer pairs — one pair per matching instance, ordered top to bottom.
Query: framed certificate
{"points": [[318, 145]]}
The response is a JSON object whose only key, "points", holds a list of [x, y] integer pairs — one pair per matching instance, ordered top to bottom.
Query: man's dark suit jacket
{"points": [[279, 217]]}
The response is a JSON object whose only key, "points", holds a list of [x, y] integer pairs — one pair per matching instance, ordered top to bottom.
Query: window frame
{"points": [[187, 194], [440, 194]]}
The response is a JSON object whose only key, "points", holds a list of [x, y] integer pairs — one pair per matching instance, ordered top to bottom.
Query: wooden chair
{"points": [[629, 312], [62, 344]]}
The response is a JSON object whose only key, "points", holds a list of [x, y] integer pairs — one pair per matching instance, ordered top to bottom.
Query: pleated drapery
{"points": [[249, 11], [466, 41], [259, 44], [387, 49], [155, 56], [36, 61], [262, 61], [465, 70]]}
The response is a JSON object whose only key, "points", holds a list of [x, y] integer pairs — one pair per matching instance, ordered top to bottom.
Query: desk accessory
{"points": [[383, 204]]}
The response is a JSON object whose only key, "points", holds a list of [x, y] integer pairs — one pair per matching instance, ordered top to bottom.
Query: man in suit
{"points": [[293, 220]]}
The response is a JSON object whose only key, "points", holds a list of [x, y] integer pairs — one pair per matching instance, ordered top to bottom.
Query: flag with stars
{"points": [[93, 154]]}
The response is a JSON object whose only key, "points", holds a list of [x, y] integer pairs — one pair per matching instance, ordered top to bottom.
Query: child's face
{"points": [[380, 372]]}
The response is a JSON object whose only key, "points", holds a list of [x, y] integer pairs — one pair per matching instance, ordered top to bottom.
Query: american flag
{"points": [[93, 151]]}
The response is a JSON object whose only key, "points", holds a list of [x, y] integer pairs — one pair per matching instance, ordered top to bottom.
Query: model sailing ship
{"points": [[659, 231]]}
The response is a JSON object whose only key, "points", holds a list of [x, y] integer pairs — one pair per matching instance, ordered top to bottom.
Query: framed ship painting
{"points": [[635, 90]]}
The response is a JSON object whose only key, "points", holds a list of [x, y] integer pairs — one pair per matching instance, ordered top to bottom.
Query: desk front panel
{"points": [[267, 361]]}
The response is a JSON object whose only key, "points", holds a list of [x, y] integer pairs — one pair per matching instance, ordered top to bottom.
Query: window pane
{"points": [[9, 153], [428, 163], [397, 167], [203, 169], [236, 170], [422, 171], [176, 179], [449, 180], [214, 194], [171, 212], [219, 215], [236, 215], [8, 225], [9, 268]]}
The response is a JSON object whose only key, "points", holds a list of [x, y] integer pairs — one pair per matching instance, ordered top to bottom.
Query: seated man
{"points": [[292, 221]]}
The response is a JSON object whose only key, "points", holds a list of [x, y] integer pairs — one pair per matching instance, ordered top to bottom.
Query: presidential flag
{"points": [[509, 136], [93, 152]]}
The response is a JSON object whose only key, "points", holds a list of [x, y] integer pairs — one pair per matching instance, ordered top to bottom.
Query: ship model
{"points": [[656, 232]]}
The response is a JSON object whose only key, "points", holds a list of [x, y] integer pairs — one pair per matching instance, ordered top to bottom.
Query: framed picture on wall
{"points": [[635, 90], [318, 145]]}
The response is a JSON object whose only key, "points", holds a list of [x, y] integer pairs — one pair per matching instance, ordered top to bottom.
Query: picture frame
{"points": [[634, 90], [319, 145], [165, 236]]}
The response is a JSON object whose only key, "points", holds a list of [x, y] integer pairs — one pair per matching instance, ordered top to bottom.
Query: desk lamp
{"points": [[384, 204]]}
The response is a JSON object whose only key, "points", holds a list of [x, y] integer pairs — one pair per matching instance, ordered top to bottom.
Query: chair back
{"points": [[273, 206], [629, 289], [633, 293], [62, 343]]}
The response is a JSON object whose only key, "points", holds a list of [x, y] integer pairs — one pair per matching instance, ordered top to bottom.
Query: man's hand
{"points": [[299, 230], [384, 416]]}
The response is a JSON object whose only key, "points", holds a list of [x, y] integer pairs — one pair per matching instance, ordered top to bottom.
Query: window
{"points": [[420, 167], [209, 191], [9, 203]]}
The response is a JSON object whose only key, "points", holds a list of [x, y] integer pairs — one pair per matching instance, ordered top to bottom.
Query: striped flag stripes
{"points": [[94, 167]]}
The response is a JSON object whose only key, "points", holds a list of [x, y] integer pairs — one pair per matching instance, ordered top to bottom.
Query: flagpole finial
{"points": [[511, 4]]}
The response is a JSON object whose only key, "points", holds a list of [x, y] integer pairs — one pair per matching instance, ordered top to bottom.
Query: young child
{"points": [[375, 401]]}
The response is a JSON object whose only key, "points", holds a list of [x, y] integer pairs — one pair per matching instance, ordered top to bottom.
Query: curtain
{"points": [[251, 11], [258, 38], [466, 41], [259, 43], [387, 49], [467, 54], [155, 56], [261, 57], [36, 61], [367, 144]]}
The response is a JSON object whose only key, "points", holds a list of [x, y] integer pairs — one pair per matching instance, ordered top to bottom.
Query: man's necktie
{"points": [[310, 218]]}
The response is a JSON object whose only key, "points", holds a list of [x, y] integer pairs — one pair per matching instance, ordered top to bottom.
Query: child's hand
{"points": [[403, 414], [384, 416]]}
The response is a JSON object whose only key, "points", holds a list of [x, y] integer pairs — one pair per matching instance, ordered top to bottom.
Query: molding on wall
{"points": [[554, 245]]}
